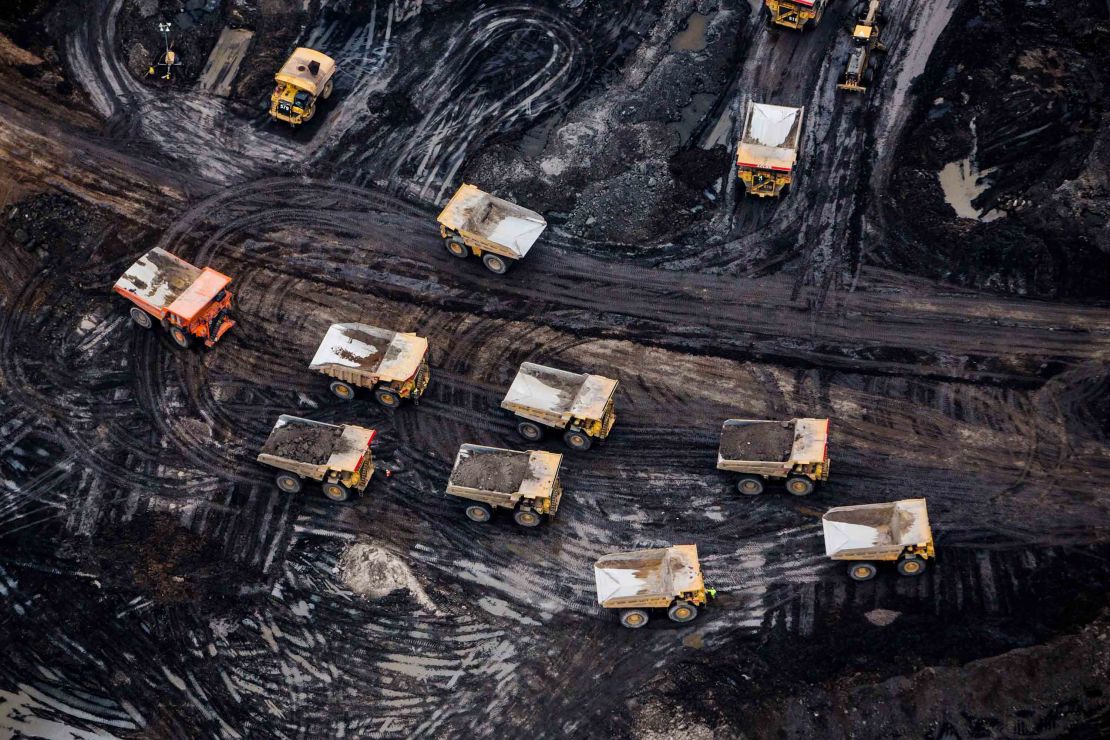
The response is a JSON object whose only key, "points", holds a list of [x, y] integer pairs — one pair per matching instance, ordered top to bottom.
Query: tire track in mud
{"points": [[507, 65], [519, 627]]}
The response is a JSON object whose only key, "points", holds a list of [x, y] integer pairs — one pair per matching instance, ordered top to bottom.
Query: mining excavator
{"points": [[865, 35]]}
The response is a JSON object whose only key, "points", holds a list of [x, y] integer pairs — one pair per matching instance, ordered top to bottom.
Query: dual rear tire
{"points": [[496, 264], [384, 396], [797, 485], [333, 490], [481, 512], [907, 566], [680, 612]]}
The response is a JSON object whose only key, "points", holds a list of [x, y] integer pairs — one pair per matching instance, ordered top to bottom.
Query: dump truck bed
{"points": [[297, 70], [770, 137], [474, 212], [162, 283], [369, 353], [555, 396], [770, 447], [313, 448], [503, 477], [879, 531], [647, 578]]}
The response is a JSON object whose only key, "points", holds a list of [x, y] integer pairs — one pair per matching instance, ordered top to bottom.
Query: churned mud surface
{"points": [[932, 283]]}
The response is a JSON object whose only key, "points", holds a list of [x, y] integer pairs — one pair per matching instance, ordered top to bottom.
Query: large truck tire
{"points": [[328, 87], [456, 248], [495, 263], [141, 317], [179, 337], [342, 390], [387, 398], [530, 431], [577, 440], [288, 482], [749, 485], [799, 485], [335, 491], [479, 512], [527, 518], [911, 566], [862, 571], [682, 611], [634, 619]]}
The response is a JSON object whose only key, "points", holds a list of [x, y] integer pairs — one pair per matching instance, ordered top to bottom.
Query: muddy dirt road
{"points": [[156, 583]]}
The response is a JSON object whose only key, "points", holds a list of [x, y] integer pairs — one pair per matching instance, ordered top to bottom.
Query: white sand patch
{"points": [[373, 572]]}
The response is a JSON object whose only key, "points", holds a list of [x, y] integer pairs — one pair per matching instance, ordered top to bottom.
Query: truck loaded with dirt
{"points": [[931, 290]]}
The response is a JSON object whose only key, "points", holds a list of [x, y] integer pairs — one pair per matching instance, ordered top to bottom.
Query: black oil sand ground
{"points": [[127, 464]]}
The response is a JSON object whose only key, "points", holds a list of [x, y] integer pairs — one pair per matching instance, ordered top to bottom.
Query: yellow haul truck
{"points": [[795, 14], [865, 35], [305, 77], [768, 148], [500, 232], [393, 364], [579, 404], [795, 452], [336, 455], [526, 483], [894, 532], [664, 578]]}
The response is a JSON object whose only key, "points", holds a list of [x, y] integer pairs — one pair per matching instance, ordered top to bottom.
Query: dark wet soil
{"points": [[1022, 89], [303, 442], [757, 442], [491, 470], [132, 495]]}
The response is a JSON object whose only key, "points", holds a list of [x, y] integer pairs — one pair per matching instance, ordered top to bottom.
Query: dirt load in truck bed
{"points": [[770, 441], [308, 443], [490, 470]]}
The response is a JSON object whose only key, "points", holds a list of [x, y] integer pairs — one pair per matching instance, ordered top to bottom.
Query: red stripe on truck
{"points": [[761, 167]]}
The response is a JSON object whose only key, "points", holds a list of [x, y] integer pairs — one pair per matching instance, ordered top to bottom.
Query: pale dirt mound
{"points": [[375, 573]]}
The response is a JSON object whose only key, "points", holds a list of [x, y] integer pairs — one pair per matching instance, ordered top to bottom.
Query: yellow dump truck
{"points": [[795, 14], [865, 36], [304, 78], [768, 148], [500, 232], [393, 364], [579, 404], [794, 451], [337, 455], [526, 483], [896, 532], [663, 578]]}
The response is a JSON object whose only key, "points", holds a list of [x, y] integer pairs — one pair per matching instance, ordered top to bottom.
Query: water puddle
{"points": [[693, 37], [700, 104], [963, 182]]}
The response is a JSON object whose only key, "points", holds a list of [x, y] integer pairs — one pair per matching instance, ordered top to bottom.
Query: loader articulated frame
{"points": [[865, 35]]}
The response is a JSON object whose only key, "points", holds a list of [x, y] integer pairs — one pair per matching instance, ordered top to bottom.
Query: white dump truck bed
{"points": [[770, 137], [512, 227], [372, 352], [558, 393], [503, 476], [876, 530], [647, 577]]}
